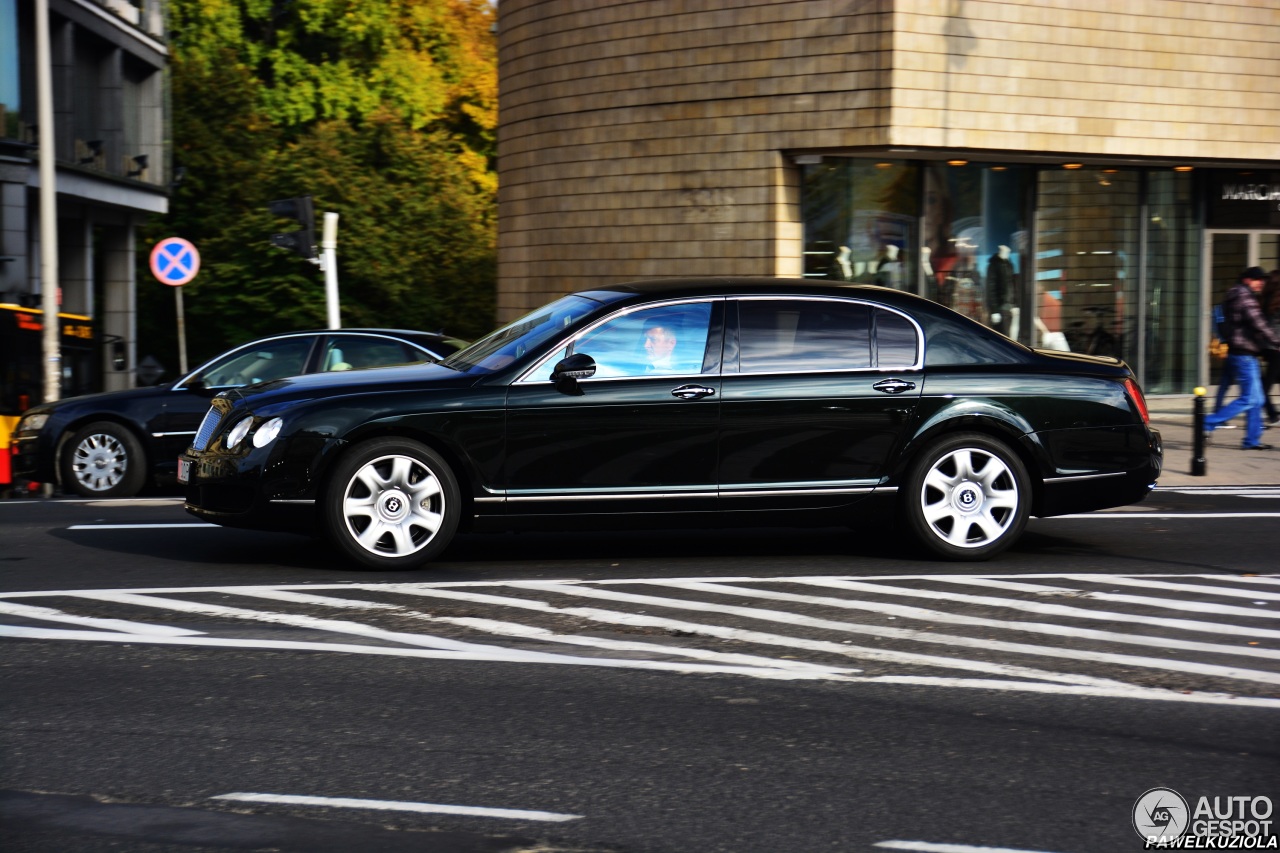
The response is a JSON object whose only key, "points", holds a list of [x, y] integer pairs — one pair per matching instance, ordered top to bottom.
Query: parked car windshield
{"points": [[499, 348]]}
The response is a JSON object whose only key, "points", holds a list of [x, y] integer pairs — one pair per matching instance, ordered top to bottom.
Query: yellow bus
{"points": [[22, 370]]}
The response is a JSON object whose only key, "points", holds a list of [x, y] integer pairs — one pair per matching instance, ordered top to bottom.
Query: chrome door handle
{"points": [[894, 386], [693, 392]]}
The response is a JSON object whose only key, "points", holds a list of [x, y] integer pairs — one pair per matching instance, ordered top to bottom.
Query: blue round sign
{"points": [[175, 261]]}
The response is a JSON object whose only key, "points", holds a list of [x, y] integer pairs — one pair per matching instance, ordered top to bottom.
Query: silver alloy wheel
{"points": [[99, 462], [969, 498], [393, 506]]}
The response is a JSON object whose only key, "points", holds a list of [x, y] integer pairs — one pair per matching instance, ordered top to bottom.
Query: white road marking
{"points": [[1196, 589], [1144, 600], [1043, 608], [49, 614], [926, 615], [916, 636], [858, 652], [510, 656], [704, 660], [395, 806], [929, 847]]}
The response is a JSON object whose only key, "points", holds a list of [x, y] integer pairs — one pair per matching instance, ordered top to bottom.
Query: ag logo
{"points": [[1161, 813]]}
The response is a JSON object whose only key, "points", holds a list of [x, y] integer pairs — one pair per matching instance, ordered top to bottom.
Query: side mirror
{"points": [[569, 370], [196, 385]]}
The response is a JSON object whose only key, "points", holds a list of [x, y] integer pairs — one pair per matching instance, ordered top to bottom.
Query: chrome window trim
{"points": [[920, 342], [527, 377], [855, 487]]}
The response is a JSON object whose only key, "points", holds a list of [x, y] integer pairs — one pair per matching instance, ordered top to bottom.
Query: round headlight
{"points": [[238, 432], [267, 432]]}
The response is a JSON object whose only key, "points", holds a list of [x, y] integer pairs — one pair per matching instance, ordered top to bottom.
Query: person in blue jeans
{"points": [[1248, 336]]}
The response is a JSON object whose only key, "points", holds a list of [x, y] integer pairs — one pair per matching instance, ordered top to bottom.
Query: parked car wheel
{"points": [[103, 460], [967, 497], [392, 504]]}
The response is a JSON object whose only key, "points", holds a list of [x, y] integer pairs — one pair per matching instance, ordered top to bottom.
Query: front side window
{"points": [[797, 335], [665, 340]]}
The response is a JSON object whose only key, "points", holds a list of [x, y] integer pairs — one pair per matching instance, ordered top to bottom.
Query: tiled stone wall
{"points": [[646, 138]]}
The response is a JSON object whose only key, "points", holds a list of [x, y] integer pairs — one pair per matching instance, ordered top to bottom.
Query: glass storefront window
{"points": [[10, 102], [860, 221], [975, 241], [1087, 261], [1171, 328]]}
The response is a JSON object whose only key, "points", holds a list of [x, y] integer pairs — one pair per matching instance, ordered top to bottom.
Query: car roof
{"points": [[675, 288]]}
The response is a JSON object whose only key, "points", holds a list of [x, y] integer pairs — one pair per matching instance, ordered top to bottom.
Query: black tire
{"points": [[103, 460], [967, 497], [392, 504]]}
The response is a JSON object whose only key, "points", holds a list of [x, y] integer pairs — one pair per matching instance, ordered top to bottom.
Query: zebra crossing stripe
{"points": [[1149, 601], [1042, 608], [49, 614], [926, 615], [921, 636], [762, 638]]}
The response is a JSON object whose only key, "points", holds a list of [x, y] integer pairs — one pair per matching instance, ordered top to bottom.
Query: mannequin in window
{"points": [[842, 269], [889, 270], [1002, 291]]}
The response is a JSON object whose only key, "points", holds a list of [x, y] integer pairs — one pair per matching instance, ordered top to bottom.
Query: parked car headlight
{"points": [[32, 423], [238, 432], [267, 432]]}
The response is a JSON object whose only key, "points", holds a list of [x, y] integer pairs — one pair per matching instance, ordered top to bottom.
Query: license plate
{"points": [[184, 470]]}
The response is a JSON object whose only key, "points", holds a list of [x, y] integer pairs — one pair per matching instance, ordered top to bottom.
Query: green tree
{"points": [[383, 111]]}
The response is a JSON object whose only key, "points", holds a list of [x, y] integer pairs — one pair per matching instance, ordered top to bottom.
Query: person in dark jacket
{"points": [[1248, 336]]}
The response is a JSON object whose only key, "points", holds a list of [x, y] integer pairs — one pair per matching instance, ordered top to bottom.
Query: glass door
{"points": [[1227, 254]]}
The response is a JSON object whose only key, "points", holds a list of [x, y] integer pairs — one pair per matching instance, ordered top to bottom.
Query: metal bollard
{"points": [[1198, 464]]}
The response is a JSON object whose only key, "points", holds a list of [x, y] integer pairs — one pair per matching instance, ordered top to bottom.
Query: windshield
{"points": [[498, 349]]}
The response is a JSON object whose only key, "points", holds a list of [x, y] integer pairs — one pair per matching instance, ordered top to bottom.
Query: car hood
{"points": [[413, 377], [104, 399]]}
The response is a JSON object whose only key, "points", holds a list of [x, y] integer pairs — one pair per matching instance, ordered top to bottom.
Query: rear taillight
{"points": [[1140, 402]]}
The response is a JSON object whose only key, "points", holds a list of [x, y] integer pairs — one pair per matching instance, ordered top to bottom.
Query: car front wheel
{"points": [[103, 460], [967, 497], [392, 504]]}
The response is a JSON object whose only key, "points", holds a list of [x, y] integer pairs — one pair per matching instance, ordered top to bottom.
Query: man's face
{"points": [[1255, 284], [658, 344]]}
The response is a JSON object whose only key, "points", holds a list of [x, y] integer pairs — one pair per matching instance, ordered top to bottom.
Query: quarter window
{"points": [[794, 335], [896, 341]]}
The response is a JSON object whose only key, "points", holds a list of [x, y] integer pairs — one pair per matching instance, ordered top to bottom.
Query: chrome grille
{"points": [[208, 427]]}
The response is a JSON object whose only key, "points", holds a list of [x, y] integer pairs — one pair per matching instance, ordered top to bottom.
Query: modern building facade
{"points": [[108, 61], [1079, 174]]}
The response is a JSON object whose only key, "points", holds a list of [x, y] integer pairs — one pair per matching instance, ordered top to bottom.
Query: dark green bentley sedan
{"points": [[771, 401]]}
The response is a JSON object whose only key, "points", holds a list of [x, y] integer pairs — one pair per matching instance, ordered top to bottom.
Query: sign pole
{"points": [[329, 245], [175, 262], [182, 332], [51, 347]]}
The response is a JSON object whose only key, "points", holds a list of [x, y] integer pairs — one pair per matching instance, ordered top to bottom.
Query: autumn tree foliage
{"points": [[384, 111]]}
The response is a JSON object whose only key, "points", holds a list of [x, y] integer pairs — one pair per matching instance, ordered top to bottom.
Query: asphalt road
{"points": [[765, 690]]}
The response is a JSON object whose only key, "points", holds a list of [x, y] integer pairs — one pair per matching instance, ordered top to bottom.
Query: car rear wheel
{"points": [[103, 460], [967, 497], [392, 504]]}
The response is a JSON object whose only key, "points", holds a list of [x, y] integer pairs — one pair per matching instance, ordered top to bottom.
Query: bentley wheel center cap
{"points": [[967, 497], [393, 505]]}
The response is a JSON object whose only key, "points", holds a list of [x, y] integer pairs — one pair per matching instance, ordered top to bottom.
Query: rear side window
{"points": [[799, 335]]}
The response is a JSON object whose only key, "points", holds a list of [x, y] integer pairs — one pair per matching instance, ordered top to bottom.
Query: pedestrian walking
{"points": [[1248, 337]]}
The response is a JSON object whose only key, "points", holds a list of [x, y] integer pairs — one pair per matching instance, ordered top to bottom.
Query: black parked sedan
{"points": [[771, 400], [113, 444]]}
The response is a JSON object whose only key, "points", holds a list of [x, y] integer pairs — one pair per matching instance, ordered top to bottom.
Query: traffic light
{"points": [[302, 241]]}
